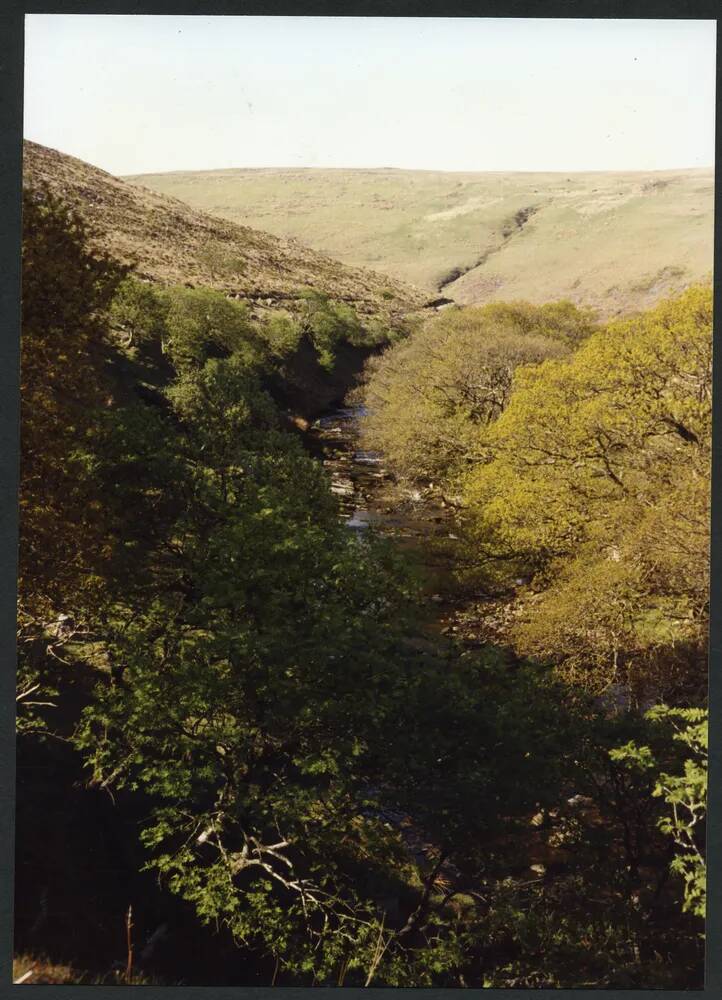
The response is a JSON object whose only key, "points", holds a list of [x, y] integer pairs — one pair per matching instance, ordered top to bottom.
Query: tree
{"points": [[67, 290], [139, 312], [200, 322], [327, 324], [429, 397], [599, 486], [247, 665], [261, 696], [684, 794], [354, 808]]}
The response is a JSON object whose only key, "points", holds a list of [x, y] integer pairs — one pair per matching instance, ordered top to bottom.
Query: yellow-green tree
{"points": [[428, 396], [599, 486]]}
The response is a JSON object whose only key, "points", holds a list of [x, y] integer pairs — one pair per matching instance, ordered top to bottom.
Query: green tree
{"points": [[67, 291], [139, 312], [200, 322], [328, 323], [66, 541], [247, 665], [262, 696], [685, 796], [355, 810]]}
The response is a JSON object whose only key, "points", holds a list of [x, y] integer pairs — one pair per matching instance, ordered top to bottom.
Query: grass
{"points": [[597, 238], [39, 970]]}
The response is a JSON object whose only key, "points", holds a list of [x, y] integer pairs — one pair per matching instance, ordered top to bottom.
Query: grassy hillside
{"points": [[615, 241], [172, 243]]}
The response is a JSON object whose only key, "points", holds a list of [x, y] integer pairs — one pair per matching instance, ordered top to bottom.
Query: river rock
{"points": [[342, 487]]}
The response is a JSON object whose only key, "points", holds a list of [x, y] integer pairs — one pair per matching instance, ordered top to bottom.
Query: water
{"points": [[418, 521]]}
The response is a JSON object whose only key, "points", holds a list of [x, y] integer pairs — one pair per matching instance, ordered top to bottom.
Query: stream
{"points": [[421, 524]]}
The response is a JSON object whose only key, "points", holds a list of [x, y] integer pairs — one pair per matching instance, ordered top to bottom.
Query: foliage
{"points": [[221, 261], [67, 290], [139, 312], [562, 321], [201, 322], [327, 323], [192, 324], [282, 334], [429, 397], [599, 486], [65, 540], [613, 628], [252, 701], [685, 794], [578, 930]]}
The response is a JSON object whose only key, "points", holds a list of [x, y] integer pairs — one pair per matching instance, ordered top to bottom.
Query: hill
{"points": [[615, 241], [172, 243]]}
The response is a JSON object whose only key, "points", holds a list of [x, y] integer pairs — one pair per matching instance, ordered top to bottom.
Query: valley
{"points": [[167, 241], [341, 560]]}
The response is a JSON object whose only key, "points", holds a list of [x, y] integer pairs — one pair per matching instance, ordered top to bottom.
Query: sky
{"points": [[141, 94]]}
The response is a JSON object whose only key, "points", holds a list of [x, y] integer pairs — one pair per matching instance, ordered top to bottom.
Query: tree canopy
{"points": [[67, 290], [428, 396], [599, 484], [356, 801]]}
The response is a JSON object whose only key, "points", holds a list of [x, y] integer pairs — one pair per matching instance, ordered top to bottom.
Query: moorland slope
{"points": [[618, 242], [172, 243]]}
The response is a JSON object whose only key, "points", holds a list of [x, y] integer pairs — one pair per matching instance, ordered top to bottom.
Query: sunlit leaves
{"points": [[430, 397], [599, 484]]}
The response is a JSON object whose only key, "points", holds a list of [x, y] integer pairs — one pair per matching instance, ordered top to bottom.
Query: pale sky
{"points": [[138, 93]]}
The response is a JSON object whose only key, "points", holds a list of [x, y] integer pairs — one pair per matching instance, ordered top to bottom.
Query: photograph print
{"points": [[366, 377]]}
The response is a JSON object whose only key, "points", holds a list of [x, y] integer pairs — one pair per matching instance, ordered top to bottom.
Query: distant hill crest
{"points": [[615, 241]]}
